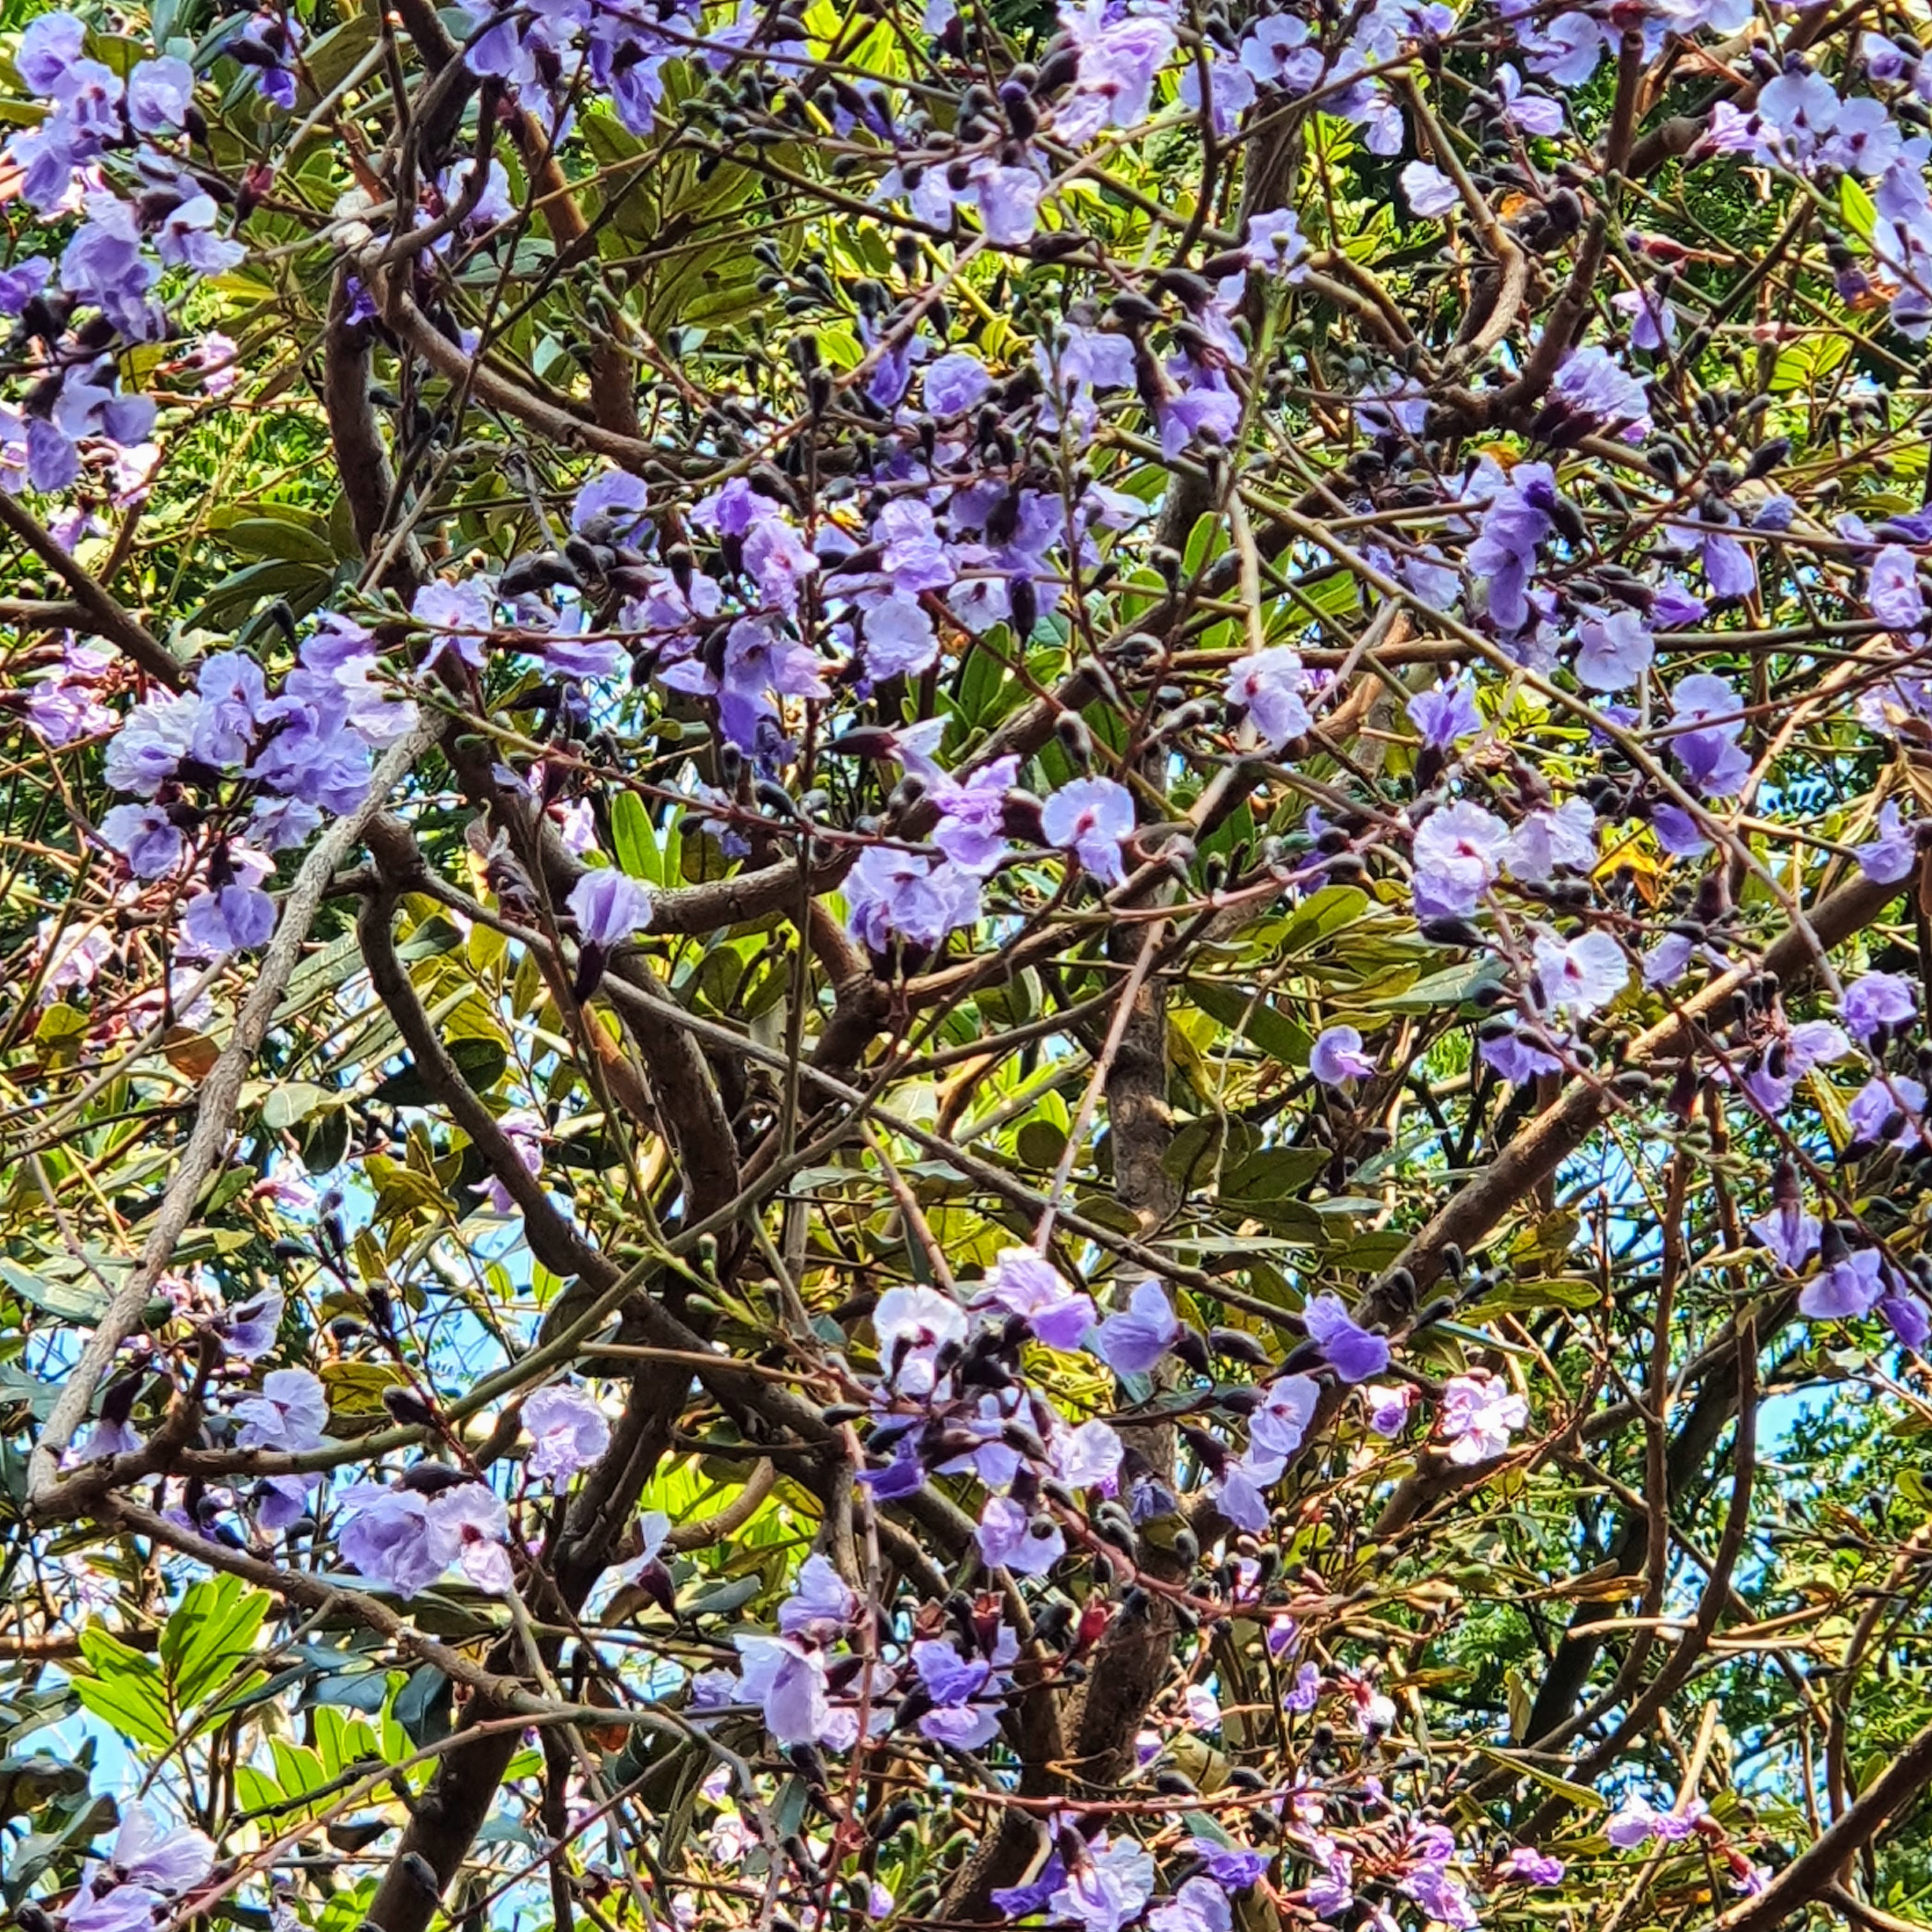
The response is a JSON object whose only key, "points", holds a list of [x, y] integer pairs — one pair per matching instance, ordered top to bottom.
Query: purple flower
{"points": [[50, 49], [1277, 49], [1118, 62], [160, 94], [1802, 106], [1529, 113], [1431, 192], [1009, 203], [187, 239], [1275, 244], [105, 264], [955, 382], [1593, 384], [1201, 401], [613, 503], [913, 554], [1729, 567], [1893, 593], [463, 614], [900, 640], [1613, 650], [1266, 685], [233, 693], [1445, 713], [148, 748], [1709, 753], [1092, 816], [971, 830], [1677, 832], [145, 837], [1550, 838], [1458, 855], [1888, 858], [894, 894], [609, 906], [230, 919], [1581, 977], [1878, 999], [1337, 1057], [1516, 1059], [1874, 1107], [1790, 1233], [1026, 1284], [1845, 1290], [1908, 1317], [913, 1326], [250, 1328], [1133, 1342], [1354, 1353], [1389, 1404], [291, 1412], [1480, 1414], [1277, 1427], [568, 1431], [1088, 1457], [903, 1475], [1241, 1493], [471, 1518], [397, 1536], [387, 1538], [1011, 1539], [821, 1604], [786, 1681], [951, 1681], [1305, 1693], [1634, 1824], [164, 1858], [1229, 1865], [1526, 1865], [1108, 1888], [1330, 1891], [1441, 1896], [1021, 1901], [1201, 1905], [101, 1906]]}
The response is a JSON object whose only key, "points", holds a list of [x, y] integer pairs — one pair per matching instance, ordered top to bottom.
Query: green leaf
{"points": [[1857, 206], [283, 540], [631, 831], [1327, 912], [1451, 987], [1277, 1036], [291, 1101], [1272, 1174], [83, 1302], [212, 1629], [124, 1687], [1580, 1795]]}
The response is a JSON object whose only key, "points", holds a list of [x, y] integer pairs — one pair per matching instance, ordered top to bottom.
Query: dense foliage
{"points": [[966, 965]]}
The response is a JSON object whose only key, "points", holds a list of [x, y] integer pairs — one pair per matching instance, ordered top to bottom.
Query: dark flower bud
{"points": [[1060, 69], [1023, 599], [1070, 728], [1020, 818], [1238, 1345], [1191, 1346], [408, 1408], [1209, 1451], [432, 1479]]}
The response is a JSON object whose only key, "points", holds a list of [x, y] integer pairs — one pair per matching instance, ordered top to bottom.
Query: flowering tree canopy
{"points": [[966, 964]]}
